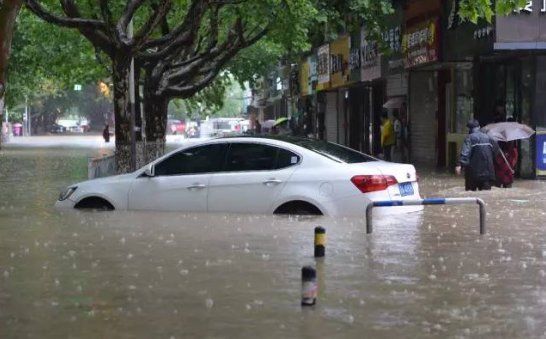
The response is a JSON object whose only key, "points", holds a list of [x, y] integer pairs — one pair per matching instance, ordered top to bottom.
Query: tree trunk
{"points": [[8, 13], [138, 110], [155, 112], [122, 115]]}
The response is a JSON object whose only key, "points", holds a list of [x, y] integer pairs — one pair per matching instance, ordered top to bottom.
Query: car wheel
{"points": [[94, 203], [298, 208]]}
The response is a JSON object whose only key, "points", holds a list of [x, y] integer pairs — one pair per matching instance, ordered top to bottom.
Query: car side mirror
{"points": [[149, 171]]}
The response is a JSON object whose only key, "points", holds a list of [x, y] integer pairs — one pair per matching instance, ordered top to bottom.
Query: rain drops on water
{"points": [[209, 303]]}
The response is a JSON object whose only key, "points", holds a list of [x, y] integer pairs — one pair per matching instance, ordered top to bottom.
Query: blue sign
{"points": [[541, 152]]}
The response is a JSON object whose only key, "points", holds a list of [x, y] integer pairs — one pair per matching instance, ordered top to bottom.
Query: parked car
{"points": [[176, 127], [58, 129], [253, 175]]}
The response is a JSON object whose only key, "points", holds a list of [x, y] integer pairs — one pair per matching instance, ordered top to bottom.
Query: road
{"points": [[171, 275]]}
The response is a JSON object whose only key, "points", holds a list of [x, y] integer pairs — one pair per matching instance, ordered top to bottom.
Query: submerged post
{"points": [[369, 210], [483, 215]]}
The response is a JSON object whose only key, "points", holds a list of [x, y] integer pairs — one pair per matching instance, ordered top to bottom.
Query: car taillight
{"points": [[373, 183]]}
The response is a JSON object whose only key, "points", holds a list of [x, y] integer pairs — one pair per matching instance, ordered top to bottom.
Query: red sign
{"points": [[420, 43]]}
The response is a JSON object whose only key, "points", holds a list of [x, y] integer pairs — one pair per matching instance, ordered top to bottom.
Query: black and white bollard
{"points": [[320, 242], [309, 289]]}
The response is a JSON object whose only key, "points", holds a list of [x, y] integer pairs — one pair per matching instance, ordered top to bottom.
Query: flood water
{"points": [[169, 275]]}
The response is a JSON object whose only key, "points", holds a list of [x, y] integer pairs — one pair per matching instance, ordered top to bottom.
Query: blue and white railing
{"points": [[425, 202]]}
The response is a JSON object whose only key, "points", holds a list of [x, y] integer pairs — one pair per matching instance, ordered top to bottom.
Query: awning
{"points": [[395, 102]]}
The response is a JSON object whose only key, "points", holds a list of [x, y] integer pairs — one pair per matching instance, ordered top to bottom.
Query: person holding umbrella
{"points": [[280, 127], [506, 133], [505, 162]]}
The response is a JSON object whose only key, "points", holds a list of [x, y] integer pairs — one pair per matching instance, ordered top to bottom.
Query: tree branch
{"points": [[129, 11], [46, 15], [107, 17], [157, 18], [165, 29], [180, 34], [97, 37]]}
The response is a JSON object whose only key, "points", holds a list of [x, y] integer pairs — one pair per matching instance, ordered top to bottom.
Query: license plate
{"points": [[406, 189]]}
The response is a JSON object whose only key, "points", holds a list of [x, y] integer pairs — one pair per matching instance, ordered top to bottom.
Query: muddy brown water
{"points": [[172, 275]]}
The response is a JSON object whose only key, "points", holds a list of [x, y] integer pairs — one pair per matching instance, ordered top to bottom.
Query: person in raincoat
{"points": [[106, 133], [388, 138], [477, 158]]}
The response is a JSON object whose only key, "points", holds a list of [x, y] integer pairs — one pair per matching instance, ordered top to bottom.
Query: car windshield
{"points": [[334, 152]]}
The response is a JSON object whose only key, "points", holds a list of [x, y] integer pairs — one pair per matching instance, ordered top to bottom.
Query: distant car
{"points": [[176, 127], [58, 129], [254, 175]]}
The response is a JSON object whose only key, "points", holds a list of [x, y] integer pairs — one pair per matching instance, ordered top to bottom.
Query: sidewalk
{"points": [[81, 141]]}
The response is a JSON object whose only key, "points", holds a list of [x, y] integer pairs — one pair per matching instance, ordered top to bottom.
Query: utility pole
{"points": [[132, 103]]}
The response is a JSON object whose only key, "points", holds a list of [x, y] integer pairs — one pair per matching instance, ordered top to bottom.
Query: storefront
{"points": [[464, 45], [372, 75], [333, 76], [396, 76], [515, 78], [427, 83]]}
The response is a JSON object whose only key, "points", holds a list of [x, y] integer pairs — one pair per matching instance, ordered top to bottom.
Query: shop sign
{"points": [[541, 4], [483, 32], [393, 39], [420, 43], [354, 59], [371, 60], [339, 62], [396, 64], [323, 67], [313, 75], [304, 78], [295, 88], [541, 151]]}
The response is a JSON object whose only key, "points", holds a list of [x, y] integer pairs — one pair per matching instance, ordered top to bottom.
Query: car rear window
{"points": [[334, 152]]}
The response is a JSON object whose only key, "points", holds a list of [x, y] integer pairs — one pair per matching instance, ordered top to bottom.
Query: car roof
{"points": [[289, 139]]}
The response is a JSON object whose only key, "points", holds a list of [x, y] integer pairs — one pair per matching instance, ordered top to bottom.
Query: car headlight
{"points": [[67, 193]]}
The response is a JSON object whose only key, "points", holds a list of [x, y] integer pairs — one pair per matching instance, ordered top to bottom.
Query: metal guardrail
{"points": [[100, 167], [425, 202]]}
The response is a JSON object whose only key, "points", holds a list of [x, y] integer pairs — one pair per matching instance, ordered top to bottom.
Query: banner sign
{"points": [[420, 43], [339, 61], [323, 67], [541, 151]]}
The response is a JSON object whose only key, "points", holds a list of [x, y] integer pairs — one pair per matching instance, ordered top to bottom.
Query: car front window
{"points": [[196, 160]]}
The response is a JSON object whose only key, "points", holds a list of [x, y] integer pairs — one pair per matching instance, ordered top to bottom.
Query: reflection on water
{"points": [[170, 275]]}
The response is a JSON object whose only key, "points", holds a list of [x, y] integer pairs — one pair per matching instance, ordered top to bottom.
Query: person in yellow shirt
{"points": [[388, 138]]}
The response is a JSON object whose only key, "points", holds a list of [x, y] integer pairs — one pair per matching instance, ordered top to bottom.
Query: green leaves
{"points": [[476, 9], [46, 60]]}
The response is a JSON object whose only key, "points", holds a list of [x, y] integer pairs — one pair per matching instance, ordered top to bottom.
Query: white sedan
{"points": [[254, 175]]}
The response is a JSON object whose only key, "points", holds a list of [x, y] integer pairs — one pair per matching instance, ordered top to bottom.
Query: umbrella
{"points": [[397, 102], [280, 121], [268, 124], [508, 131]]}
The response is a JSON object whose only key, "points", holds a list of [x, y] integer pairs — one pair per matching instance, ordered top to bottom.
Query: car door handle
{"points": [[272, 182], [196, 187]]}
